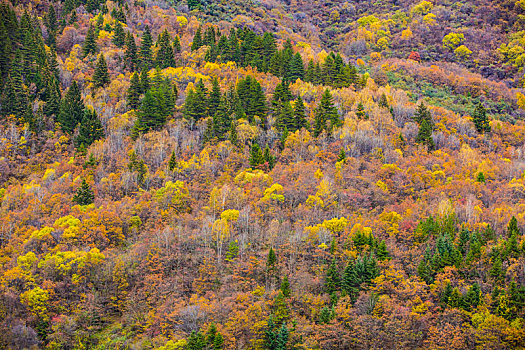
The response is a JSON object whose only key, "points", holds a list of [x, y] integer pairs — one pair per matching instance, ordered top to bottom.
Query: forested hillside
{"points": [[264, 174]]}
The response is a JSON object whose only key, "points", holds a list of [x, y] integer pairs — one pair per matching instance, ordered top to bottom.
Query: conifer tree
{"points": [[194, 4], [52, 26], [119, 36], [197, 40], [90, 44], [176, 45], [130, 53], [145, 56], [165, 57], [296, 70], [101, 75], [134, 90], [15, 97], [52, 97], [215, 97], [252, 99], [383, 101], [195, 107], [71, 109], [326, 112], [422, 113], [150, 114], [361, 114], [299, 115], [480, 118], [285, 119], [222, 120], [90, 129], [233, 133], [424, 135], [342, 155], [268, 158], [256, 159], [172, 164], [84, 195], [512, 227], [382, 252], [333, 279], [285, 287]]}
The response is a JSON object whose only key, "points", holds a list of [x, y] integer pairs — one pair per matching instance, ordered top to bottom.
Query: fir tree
{"points": [[194, 4], [52, 26], [119, 36], [197, 40], [90, 44], [130, 53], [165, 57], [146, 58], [296, 70], [101, 75], [144, 80], [134, 90], [215, 97], [252, 99], [383, 101], [195, 107], [71, 109], [422, 113], [150, 114], [361, 114], [299, 115], [326, 117], [480, 118], [285, 119], [221, 120], [90, 129], [233, 133], [424, 135], [342, 155], [256, 156], [268, 158], [172, 164], [480, 177], [84, 195], [512, 227], [382, 252], [271, 261], [332, 279], [285, 287]]}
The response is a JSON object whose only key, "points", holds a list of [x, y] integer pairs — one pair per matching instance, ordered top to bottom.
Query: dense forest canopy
{"points": [[264, 174]]}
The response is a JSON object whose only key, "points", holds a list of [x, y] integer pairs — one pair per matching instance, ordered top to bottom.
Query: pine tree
{"points": [[194, 4], [52, 26], [119, 36], [197, 40], [90, 44], [176, 45], [130, 53], [164, 57], [146, 58], [296, 70], [101, 75], [144, 80], [134, 90], [215, 97], [252, 99], [383, 101], [195, 107], [71, 109], [326, 112], [422, 113], [150, 114], [361, 114], [299, 115], [480, 118], [285, 119], [222, 120], [90, 129], [233, 133], [424, 135], [256, 155], [342, 155], [268, 158], [173, 163], [480, 177], [84, 195], [512, 227], [382, 252], [271, 261], [332, 279], [350, 282], [285, 287]]}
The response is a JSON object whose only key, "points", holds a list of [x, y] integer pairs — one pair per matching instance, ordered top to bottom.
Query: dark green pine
{"points": [[119, 36], [197, 40], [90, 44], [130, 53], [145, 55], [165, 57], [296, 69], [101, 74], [134, 91], [215, 97], [195, 107], [71, 109], [299, 115], [149, 116], [326, 117], [480, 118], [285, 119], [90, 129], [424, 135], [256, 159], [84, 195]]}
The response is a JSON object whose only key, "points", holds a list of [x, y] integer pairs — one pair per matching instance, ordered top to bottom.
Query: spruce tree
{"points": [[194, 4], [52, 26], [119, 36], [197, 40], [90, 44], [130, 53], [145, 56], [164, 57], [296, 70], [101, 75], [144, 80], [134, 90], [215, 97], [195, 107], [71, 109], [422, 113], [361, 114], [150, 115], [299, 115], [326, 117], [480, 118], [285, 119], [222, 120], [90, 129], [233, 133], [424, 135], [342, 155], [256, 158], [268, 158], [172, 164], [84, 195], [512, 227], [382, 252], [333, 279], [285, 287]]}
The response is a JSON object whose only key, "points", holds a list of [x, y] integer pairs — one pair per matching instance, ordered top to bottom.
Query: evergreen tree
{"points": [[194, 4], [52, 26], [119, 36], [197, 40], [90, 44], [176, 45], [130, 53], [165, 57], [146, 58], [296, 70], [101, 75], [144, 80], [134, 90], [15, 97], [215, 97], [252, 99], [383, 101], [195, 107], [71, 109], [326, 113], [422, 113], [361, 114], [150, 115], [299, 115], [480, 118], [285, 119], [222, 120], [90, 129], [233, 133], [424, 135], [342, 155], [256, 157], [268, 158], [172, 164], [481, 177], [84, 195], [512, 227], [382, 252], [333, 279], [350, 283], [285, 287], [195, 341]]}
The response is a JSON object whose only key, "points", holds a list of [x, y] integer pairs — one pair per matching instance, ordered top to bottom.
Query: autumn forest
{"points": [[262, 174]]}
